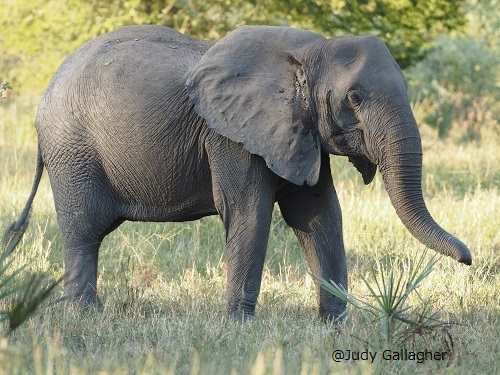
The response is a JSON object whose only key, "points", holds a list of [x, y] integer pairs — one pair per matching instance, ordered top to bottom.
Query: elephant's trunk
{"points": [[401, 168]]}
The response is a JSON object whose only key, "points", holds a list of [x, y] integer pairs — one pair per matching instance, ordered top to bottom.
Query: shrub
{"points": [[459, 76]]}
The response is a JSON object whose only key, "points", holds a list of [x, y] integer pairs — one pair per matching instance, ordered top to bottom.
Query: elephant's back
{"points": [[128, 40], [136, 45], [130, 57]]}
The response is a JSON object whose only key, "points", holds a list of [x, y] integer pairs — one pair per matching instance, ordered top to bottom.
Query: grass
{"points": [[163, 284]]}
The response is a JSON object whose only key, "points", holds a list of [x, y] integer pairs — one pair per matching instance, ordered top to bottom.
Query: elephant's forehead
{"points": [[358, 53], [361, 62]]}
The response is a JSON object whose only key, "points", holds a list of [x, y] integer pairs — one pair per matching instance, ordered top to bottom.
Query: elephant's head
{"points": [[289, 94]]}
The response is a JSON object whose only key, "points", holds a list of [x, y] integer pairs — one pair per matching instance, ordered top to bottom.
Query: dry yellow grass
{"points": [[163, 284]]}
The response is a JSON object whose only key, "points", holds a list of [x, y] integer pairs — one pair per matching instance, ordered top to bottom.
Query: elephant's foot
{"points": [[87, 301], [94, 305], [81, 308], [335, 312], [241, 316], [333, 318]]}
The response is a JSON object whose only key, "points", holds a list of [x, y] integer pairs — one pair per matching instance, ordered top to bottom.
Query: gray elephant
{"points": [[147, 124]]}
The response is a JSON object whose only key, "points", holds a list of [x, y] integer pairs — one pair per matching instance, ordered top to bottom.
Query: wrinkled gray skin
{"points": [[146, 124]]}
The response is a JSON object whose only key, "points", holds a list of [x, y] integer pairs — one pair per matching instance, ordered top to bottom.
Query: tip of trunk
{"points": [[422, 226], [453, 247], [464, 257], [466, 260]]}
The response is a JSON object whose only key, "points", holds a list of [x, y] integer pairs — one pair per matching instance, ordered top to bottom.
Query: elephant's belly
{"points": [[155, 188], [169, 202], [184, 211]]}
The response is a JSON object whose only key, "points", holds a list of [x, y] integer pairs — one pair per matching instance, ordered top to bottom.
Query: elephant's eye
{"points": [[355, 98]]}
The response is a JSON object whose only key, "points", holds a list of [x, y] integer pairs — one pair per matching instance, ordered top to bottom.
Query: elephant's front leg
{"points": [[244, 194], [314, 214], [247, 236]]}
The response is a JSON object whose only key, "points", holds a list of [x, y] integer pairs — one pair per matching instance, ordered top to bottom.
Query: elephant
{"points": [[147, 124]]}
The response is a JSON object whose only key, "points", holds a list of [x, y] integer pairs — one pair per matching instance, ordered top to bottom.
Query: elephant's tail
{"points": [[13, 234]]}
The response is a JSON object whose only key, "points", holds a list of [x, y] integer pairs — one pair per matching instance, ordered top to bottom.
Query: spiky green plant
{"points": [[20, 294], [388, 298]]}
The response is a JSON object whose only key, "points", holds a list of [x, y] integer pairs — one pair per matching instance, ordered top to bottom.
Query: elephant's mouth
{"points": [[364, 166]]}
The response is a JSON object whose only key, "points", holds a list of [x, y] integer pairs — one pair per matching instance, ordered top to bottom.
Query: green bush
{"points": [[44, 32], [459, 76]]}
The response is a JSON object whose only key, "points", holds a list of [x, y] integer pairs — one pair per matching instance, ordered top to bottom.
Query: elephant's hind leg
{"points": [[85, 213], [82, 236], [80, 264]]}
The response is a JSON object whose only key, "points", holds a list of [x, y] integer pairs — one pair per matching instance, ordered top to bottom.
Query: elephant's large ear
{"points": [[251, 88]]}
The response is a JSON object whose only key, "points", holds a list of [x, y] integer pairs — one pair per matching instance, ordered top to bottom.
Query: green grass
{"points": [[163, 284]]}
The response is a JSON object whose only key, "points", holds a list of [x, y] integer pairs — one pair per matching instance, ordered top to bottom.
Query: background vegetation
{"points": [[43, 32], [163, 283]]}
